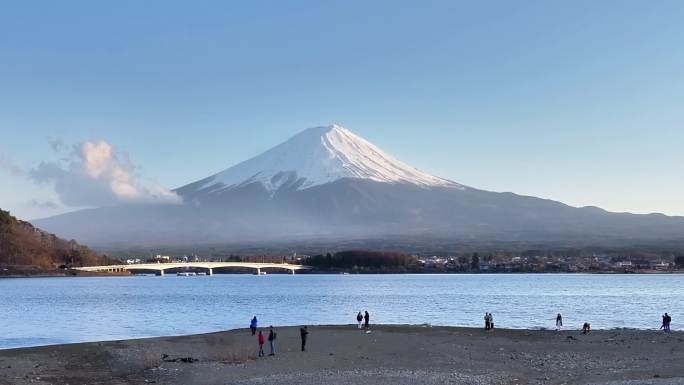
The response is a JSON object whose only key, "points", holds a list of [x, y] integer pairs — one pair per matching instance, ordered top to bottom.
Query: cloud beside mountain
{"points": [[95, 174]]}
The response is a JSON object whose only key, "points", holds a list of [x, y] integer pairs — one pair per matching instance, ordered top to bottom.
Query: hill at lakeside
{"points": [[25, 249]]}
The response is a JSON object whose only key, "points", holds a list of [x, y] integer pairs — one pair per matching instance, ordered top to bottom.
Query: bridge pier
{"points": [[258, 271], [210, 272], [292, 272], [160, 273]]}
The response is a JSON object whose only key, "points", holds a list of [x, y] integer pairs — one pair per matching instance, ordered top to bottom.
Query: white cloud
{"points": [[96, 157], [96, 175]]}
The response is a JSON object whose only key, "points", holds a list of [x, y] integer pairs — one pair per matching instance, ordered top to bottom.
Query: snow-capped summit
{"points": [[317, 156]]}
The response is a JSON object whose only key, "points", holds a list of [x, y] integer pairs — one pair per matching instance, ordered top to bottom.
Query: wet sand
{"points": [[345, 355]]}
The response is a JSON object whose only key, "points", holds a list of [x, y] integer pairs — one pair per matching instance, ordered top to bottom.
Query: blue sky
{"points": [[577, 101]]}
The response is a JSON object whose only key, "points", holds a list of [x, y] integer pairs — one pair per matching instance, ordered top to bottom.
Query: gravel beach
{"points": [[345, 355]]}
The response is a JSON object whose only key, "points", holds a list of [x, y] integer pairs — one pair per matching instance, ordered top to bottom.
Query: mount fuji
{"points": [[316, 157], [327, 182]]}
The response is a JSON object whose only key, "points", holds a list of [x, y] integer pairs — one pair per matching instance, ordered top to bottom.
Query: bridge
{"points": [[159, 268]]}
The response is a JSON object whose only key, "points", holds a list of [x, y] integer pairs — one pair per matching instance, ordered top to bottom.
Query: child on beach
{"points": [[261, 343]]}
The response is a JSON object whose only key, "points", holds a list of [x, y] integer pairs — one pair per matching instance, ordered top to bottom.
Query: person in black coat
{"points": [[366, 319], [303, 332], [271, 340]]}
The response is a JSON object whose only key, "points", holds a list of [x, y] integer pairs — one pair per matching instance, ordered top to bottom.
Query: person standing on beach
{"points": [[366, 318], [359, 319], [486, 319], [491, 321], [559, 321], [666, 322], [253, 325], [586, 328], [303, 332], [271, 340], [261, 343]]}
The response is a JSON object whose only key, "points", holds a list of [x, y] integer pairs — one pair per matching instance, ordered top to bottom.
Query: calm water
{"points": [[42, 311]]}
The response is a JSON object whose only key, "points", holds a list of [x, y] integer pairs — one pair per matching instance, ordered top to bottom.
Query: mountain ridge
{"points": [[328, 182]]}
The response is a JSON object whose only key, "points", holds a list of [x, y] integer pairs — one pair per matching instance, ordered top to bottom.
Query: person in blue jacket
{"points": [[253, 325]]}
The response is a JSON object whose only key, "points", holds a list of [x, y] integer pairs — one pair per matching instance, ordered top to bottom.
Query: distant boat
{"points": [[259, 273], [186, 274]]}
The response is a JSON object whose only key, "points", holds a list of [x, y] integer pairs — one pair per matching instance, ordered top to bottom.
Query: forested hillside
{"points": [[22, 245]]}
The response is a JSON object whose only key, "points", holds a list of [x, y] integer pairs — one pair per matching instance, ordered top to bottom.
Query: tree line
{"points": [[361, 259]]}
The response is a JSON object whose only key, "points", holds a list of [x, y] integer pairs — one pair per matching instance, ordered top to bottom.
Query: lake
{"points": [[43, 311]]}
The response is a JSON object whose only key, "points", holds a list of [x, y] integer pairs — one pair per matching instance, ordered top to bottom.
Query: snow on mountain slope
{"points": [[318, 156]]}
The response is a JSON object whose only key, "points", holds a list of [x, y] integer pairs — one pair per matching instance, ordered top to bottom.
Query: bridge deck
{"points": [[199, 265]]}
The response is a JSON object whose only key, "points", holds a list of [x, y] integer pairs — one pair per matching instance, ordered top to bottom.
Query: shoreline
{"points": [[71, 274], [424, 325], [389, 354]]}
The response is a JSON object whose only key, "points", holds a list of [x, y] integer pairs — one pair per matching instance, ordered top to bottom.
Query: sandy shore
{"points": [[345, 355]]}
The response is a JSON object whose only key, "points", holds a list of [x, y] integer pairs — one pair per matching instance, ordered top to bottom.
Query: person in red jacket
{"points": [[261, 343]]}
